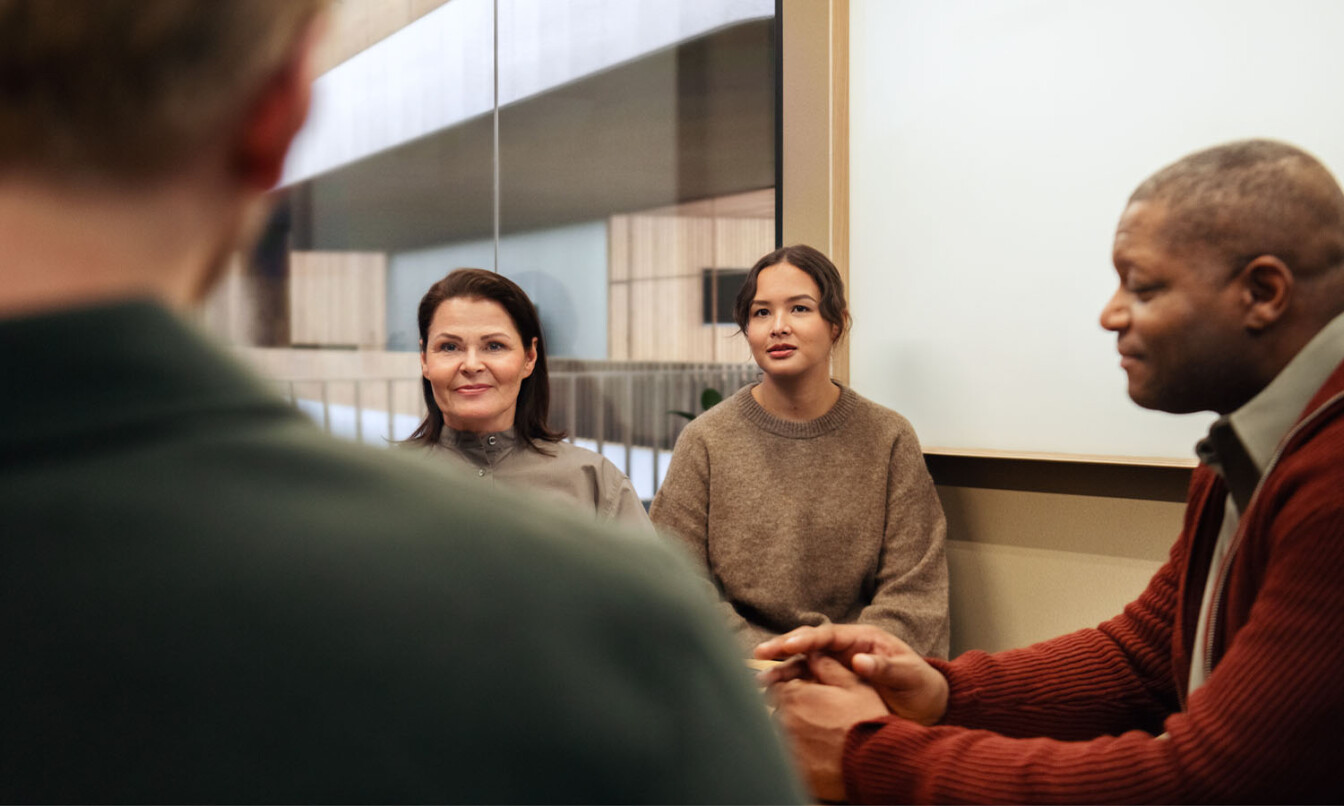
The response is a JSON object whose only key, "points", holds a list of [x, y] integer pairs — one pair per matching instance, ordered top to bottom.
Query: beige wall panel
{"points": [[807, 122], [815, 152], [758, 204], [698, 236], [743, 241], [644, 247], [618, 248], [839, 252], [678, 255], [372, 282], [302, 284], [683, 294], [640, 296], [338, 298], [230, 310], [333, 310], [666, 320], [618, 321], [1121, 527], [1028, 564], [1009, 596]]}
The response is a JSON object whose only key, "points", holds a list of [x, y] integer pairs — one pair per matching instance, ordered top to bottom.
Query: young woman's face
{"points": [[788, 336], [475, 362]]}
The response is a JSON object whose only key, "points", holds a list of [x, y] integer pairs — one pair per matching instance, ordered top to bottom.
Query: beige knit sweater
{"points": [[834, 519]]}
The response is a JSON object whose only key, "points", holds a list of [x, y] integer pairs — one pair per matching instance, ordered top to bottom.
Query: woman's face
{"points": [[788, 336], [475, 362]]}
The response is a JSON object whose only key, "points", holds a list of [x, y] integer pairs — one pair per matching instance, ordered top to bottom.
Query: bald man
{"points": [[1220, 682]]}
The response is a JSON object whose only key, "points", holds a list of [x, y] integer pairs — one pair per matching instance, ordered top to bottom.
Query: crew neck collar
{"points": [[756, 414]]}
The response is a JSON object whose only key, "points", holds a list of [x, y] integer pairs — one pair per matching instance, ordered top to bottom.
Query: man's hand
{"points": [[839, 640], [909, 686], [817, 714]]}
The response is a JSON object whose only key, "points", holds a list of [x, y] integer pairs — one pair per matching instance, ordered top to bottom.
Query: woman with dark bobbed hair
{"points": [[483, 368], [803, 501]]}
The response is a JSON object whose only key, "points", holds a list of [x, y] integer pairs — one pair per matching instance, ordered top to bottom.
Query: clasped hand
{"points": [[839, 675]]}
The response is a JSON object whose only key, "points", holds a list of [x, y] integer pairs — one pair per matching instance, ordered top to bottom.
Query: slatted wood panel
{"points": [[657, 259], [338, 299], [230, 309]]}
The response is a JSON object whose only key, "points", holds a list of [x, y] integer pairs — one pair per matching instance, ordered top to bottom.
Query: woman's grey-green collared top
{"points": [[565, 472]]}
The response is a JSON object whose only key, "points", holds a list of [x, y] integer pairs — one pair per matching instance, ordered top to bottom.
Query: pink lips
{"points": [[781, 350], [473, 389]]}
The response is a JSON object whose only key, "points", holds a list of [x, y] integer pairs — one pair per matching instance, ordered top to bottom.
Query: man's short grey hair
{"points": [[1250, 198]]}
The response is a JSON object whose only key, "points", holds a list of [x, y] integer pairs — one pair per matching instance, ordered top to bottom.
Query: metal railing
{"points": [[622, 410]]}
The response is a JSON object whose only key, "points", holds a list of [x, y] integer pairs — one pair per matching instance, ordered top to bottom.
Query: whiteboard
{"points": [[992, 148]]}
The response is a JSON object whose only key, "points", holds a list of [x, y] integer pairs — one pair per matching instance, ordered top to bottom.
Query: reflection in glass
{"points": [[635, 165]]}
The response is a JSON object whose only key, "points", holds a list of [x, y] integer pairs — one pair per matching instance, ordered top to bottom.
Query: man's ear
{"points": [[276, 114], [1267, 288]]}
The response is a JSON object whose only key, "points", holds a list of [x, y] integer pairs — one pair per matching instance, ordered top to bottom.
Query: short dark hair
{"points": [[131, 89], [1250, 198], [823, 272], [534, 394]]}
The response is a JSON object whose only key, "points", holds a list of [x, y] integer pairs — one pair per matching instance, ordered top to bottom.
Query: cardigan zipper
{"points": [[1216, 603]]}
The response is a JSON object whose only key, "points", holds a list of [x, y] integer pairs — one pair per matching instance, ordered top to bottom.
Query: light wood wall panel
{"points": [[815, 151], [657, 259], [338, 299], [230, 310], [1005, 597]]}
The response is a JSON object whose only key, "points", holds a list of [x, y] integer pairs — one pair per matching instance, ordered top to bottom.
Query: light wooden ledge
{"points": [[1077, 458]]}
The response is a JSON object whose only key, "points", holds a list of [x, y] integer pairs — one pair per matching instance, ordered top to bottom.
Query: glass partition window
{"points": [[614, 157]]}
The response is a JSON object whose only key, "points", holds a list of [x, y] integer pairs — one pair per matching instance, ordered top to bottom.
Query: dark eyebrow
{"points": [[793, 298], [446, 335]]}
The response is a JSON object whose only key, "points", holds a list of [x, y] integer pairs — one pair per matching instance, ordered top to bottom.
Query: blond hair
{"points": [[131, 89]]}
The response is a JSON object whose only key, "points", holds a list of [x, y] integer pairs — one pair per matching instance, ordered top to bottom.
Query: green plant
{"points": [[708, 399]]}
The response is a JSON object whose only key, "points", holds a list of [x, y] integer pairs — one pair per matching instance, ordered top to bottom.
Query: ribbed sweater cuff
{"points": [[960, 698], [877, 776]]}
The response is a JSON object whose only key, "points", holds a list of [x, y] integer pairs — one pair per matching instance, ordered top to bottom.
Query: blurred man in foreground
{"points": [[206, 600], [1220, 683]]}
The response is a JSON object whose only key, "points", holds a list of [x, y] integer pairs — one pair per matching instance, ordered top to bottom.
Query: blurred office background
{"points": [[615, 158]]}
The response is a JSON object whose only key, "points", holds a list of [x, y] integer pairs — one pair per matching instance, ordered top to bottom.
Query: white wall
{"points": [[993, 146]]}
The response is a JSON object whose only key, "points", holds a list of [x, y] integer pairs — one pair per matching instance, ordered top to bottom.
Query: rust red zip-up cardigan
{"points": [[1077, 719]]}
